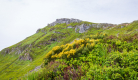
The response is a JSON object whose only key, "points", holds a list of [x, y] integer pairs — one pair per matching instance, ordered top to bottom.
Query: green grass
{"points": [[10, 64]]}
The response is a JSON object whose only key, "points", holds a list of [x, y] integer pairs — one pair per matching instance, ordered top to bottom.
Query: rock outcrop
{"points": [[64, 20], [124, 24], [104, 25], [69, 27], [82, 28], [38, 30], [53, 39], [7, 50], [26, 56]]}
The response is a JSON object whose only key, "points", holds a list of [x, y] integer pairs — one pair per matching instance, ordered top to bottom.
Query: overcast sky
{"points": [[21, 18]]}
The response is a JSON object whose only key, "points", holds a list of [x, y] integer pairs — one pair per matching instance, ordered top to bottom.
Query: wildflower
{"points": [[87, 39], [75, 40], [82, 40], [92, 40], [97, 40], [87, 44], [92, 44], [62, 46], [56, 48], [72, 51], [67, 52], [48, 54], [60, 54], [68, 55], [53, 56]]}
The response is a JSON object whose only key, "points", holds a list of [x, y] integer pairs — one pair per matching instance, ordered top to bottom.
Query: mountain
{"points": [[74, 49]]}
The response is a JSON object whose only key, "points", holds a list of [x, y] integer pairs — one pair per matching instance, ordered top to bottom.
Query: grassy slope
{"points": [[113, 58], [10, 64]]}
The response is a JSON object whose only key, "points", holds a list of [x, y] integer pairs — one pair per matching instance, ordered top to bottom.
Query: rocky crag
{"points": [[79, 28]]}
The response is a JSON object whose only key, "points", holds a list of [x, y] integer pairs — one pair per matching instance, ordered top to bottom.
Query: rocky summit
{"points": [[64, 20], [82, 28], [73, 49]]}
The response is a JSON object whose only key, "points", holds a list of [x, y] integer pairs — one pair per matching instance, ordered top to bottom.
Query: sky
{"points": [[21, 18]]}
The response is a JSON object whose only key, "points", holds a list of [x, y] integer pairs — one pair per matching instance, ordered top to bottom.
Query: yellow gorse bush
{"points": [[87, 39], [92, 40], [79, 41], [92, 44], [56, 48], [67, 51], [72, 51], [48, 54]]}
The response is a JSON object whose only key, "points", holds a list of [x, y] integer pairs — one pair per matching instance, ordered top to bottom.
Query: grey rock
{"points": [[64, 20], [93, 25], [99, 25], [103, 25], [122, 26], [69, 27], [86, 27], [82, 28], [76, 29], [38, 30], [43, 31], [57, 32], [53, 39], [30, 45], [7, 50], [19, 51], [26, 57], [29, 58], [36, 68]]}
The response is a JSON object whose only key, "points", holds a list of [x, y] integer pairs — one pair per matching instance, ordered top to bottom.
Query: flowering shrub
{"points": [[74, 49]]}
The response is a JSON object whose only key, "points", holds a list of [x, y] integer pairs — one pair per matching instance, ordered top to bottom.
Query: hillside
{"points": [[74, 49]]}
